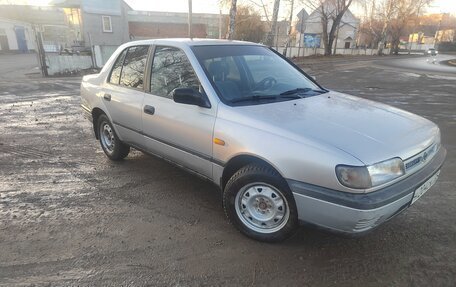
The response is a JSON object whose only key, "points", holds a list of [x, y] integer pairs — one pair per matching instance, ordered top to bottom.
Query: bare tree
{"points": [[405, 12], [330, 13], [394, 18], [232, 21], [248, 25], [289, 29], [370, 29], [272, 32]]}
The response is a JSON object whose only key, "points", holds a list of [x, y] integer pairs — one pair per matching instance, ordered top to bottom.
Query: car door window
{"points": [[117, 68], [170, 70], [132, 75]]}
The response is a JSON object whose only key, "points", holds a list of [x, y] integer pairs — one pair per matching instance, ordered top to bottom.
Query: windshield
{"points": [[247, 75]]}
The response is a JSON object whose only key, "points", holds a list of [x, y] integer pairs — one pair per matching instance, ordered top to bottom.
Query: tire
{"points": [[109, 141], [259, 203]]}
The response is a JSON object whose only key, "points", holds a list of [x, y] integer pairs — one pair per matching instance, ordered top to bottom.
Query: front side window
{"points": [[117, 68], [170, 70], [132, 75], [244, 75]]}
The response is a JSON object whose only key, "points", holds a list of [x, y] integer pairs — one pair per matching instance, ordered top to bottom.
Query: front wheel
{"points": [[110, 142], [259, 203]]}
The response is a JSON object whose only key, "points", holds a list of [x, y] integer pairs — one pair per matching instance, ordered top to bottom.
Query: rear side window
{"points": [[117, 68], [170, 70], [132, 75]]}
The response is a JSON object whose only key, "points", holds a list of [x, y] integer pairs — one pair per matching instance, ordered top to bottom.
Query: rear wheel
{"points": [[109, 141], [259, 203]]}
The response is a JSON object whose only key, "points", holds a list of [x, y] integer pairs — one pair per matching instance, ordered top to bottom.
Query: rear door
{"points": [[124, 93], [179, 132]]}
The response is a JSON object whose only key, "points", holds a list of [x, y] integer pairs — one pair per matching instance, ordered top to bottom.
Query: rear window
{"points": [[117, 68], [132, 75]]}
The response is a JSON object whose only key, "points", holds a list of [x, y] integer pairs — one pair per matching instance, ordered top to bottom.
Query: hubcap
{"points": [[107, 137], [262, 208]]}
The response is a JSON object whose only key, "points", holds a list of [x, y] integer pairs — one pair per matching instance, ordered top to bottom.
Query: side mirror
{"points": [[189, 96]]}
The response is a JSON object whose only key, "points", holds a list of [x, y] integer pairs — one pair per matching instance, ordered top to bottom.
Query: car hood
{"points": [[367, 130]]}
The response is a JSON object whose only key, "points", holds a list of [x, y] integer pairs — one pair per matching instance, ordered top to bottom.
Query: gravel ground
{"points": [[70, 217]]}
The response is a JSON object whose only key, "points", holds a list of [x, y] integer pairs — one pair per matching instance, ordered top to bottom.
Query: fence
{"points": [[304, 52], [67, 64], [70, 64]]}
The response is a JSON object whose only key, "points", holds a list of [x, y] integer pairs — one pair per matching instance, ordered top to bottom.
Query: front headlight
{"points": [[385, 171], [353, 176], [364, 177]]}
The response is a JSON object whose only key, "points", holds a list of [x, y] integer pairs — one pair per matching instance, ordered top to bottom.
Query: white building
{"points": [[310, 30], [16, 36]]}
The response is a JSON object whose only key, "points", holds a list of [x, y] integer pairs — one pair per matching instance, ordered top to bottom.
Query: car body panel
{"points": [[181, 132]]}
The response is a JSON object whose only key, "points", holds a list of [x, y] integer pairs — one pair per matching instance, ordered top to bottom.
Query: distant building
{"points": [[49, 22], [101, 22], [310, 30], [447, 35], [16, 36]]}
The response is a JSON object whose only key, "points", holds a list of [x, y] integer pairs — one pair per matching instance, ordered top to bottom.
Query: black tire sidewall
{"points": [[120, 149], [257, 173]]}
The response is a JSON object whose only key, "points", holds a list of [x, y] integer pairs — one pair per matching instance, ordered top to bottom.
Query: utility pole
{"points": [[275, 14], [190, 19]]}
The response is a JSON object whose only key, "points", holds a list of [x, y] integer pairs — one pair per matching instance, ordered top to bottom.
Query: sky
{"points": [[213, 6]]}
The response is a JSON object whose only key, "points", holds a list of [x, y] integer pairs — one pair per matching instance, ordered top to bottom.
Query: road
{"points": [[429, 64], [70, 217]]}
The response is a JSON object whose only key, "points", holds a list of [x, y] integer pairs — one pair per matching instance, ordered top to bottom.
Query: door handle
{"points": [[107, 97], [149, 110]]}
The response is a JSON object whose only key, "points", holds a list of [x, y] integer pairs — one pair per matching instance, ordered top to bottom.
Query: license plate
{"points": [[425, 187]]}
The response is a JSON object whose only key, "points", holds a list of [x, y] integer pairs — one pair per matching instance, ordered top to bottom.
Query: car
{"points": [[432, 52], [282, 149]]}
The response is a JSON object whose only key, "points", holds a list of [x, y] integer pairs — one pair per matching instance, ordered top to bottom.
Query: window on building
{"points": [[106, 23], [347, 45], [117, 68], [170, 70], [132, 75]]}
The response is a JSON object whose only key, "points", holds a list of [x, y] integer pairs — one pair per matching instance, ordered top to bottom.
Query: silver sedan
{"points": [[282, 148]]}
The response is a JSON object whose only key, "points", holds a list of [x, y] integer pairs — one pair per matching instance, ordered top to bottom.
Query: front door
{"points": [[179, 132]]}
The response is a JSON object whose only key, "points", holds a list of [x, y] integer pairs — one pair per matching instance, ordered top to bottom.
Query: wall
{"points": [[92, 12], [208, 22], [92, 26], [144, 30], [102, 54], [65, 64]]}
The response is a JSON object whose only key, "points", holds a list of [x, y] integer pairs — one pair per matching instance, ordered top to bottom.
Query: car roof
{"points": [[190, 42]]}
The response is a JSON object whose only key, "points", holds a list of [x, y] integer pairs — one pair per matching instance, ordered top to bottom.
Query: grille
{"points": [[420, 159]]}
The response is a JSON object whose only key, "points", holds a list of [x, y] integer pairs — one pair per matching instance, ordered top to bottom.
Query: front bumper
{"points": [[357, 213]]}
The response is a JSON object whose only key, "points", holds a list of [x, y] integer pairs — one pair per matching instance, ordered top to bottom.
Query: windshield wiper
{"points": [[301, 91], [253, 98]]}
